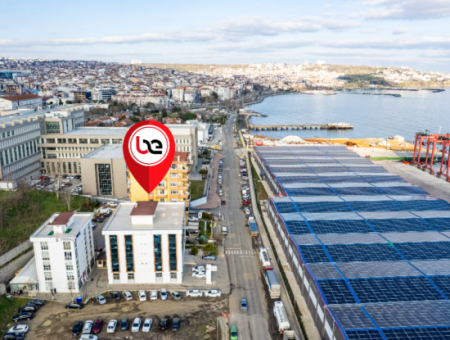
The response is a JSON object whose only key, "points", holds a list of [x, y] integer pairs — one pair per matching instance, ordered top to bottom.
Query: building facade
{"points": [[21, 101], [145, 243], [64, 252]]}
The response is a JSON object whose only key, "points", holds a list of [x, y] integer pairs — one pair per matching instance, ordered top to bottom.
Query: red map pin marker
{"points": [[149, 149]]}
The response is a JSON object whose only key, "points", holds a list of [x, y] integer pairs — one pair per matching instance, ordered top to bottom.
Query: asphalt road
{"points": [[241, 251]]}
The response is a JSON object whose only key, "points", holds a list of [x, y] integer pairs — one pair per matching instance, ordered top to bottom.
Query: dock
{"points": [[329, 126]]}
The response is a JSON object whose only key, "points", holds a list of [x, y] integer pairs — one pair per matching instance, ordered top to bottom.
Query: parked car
{"points": [[245, 177], [243, 182], [220, 192], [247, 197], [223, 202], [246, 202], [112, 204], [247, 211], [192, 219], [98, 220], [93, 225], [209, 257], [198, 269], [200, 275], [194, 293], [213, 293], [163, 294], [142, 295], [154, 295], [175, 295], [115, 296], [127, 296], [101, 300], [36, 302], [75, 305], [244, 305], [28, 308], [23, 316], [124, 324], [163, 324], [176, 324], [136, 325], [147, 325], [97, 326], [111, 326], [77, 328], [19, 329], [87, 329], [233, 333], [13, 336], [89, 337]]}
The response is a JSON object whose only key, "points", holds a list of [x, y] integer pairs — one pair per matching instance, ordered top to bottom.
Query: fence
{"points": [[5, 258]]}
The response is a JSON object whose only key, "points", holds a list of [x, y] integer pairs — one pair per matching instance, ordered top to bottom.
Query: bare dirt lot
{"points": [[198, 318]]}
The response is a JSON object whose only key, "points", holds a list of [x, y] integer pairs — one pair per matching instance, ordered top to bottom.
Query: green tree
{"points": [[215, 95], [115, 103], [138, 112], [164, 113], [189, 116], [135, 119], [208, 248], [194, 251]]}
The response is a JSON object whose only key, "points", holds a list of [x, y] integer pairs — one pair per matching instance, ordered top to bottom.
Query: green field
{"points": [[197, 188], [24, 210], [8, 308]]}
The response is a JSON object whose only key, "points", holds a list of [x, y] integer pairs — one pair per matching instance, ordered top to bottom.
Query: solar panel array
{"points": [[377, 246]]}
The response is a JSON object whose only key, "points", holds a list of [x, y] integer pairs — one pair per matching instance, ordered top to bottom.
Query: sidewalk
{"points": [[213, 198], [308, 322]]}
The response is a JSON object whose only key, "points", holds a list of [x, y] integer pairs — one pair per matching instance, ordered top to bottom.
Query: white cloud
{"points": [[405, 9], [400, 30]]}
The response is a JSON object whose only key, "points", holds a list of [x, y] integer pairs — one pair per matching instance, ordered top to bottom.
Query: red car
{"points": [[224, 202], [246, 202], [97, 326]]}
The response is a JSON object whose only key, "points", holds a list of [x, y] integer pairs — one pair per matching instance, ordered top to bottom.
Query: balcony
{"points": [[182, 169], [186, 178]]}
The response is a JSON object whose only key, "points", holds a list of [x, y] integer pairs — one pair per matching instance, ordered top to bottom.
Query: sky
{"points": [[414, 33]]}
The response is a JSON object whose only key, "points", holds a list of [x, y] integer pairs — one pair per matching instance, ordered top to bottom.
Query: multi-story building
{"points": [[20, 101], [145, 243], [64, 251]]}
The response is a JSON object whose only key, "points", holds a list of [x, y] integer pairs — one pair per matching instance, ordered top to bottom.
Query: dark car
{"points": [[77, 177], [68, 184], [223, 202], [103, 216], [98, 220], [209, 257], [115, 296], [36, 302], [76, 305], [28, 308], [23, 316], [124, 324], [163, 324], [176, 324], [97, 326], [77, 328], [14, 336]]}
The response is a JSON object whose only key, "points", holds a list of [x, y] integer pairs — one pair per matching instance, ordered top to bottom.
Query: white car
{"points": [[245, 177], [243, 182], [220, 192], [246, 197], [112, 204], [247, 211], [193, 219], [198, 269], [200, 275], [194, 293], [213, 293], [163, 294], [142, 295], [154, 295], [127, 296], [101, 300], [136, 325], [147, 325], [111, 326], [87, 328], [18, 329], [88, 337]]}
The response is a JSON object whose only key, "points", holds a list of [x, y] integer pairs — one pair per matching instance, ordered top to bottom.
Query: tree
{"points": [[138, 112], [164, 113], [188, 116], [135, 119], [194, 251]]}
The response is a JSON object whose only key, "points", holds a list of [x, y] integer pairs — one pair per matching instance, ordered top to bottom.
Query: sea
{"points": [[373, 116]]}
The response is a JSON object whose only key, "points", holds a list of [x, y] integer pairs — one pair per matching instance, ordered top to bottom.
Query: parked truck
{"points": [[253, 228], [265, 260], [274, 284], [280, 314]]}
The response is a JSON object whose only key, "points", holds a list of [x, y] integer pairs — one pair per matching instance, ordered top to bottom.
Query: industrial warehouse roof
{"points": [[377, 247]]}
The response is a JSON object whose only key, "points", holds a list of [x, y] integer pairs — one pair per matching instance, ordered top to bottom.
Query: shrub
{"points": [[194, 251]]}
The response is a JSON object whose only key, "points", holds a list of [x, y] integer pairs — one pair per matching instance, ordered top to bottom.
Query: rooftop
{"points": [[18, 97], [103, 131], [107, 151], [144, 208], [167, 216], [46, 230]]}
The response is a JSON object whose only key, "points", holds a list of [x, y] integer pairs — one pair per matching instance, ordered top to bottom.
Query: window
{"points": [[52, 127], [62, 140], [83, 140], [72, 141], [93, 141], [105, 141], [117, 141], [173, 166], [64, 167], [70, 167], [75, 167], [173, 175], [104, 179], [162, 184], [173, 184], [162, 192], [174, 192], [44, 246], [67, 246], [173, 252], [114, 253], [129, 253], [68, 255], [158, 255], [45, 256], [69, 265], [47, 266], [48, 276], [70, 276], [116, 277], [131, 277], [158, 277], [173, 277], [71, 285], [49, 286]]}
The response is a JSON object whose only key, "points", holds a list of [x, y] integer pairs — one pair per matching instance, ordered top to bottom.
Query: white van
{"points": [[224, 231], [89, 337]]}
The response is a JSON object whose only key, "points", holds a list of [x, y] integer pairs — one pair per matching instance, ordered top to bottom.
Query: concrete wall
{"points": [[5, 258], [7, 272]]}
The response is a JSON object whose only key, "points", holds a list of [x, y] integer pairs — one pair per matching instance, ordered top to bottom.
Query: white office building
{"points": [[145, 243], [64, 252]]}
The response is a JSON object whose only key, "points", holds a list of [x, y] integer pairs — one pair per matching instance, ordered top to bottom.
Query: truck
{"points": [[253, 228], [224, 231], [264, 257], [274, 284], [280, 314]]}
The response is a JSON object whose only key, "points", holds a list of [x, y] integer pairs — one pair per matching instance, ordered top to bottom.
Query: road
{"points": [[242, 256]]}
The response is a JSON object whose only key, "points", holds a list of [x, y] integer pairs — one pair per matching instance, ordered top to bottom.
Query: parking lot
{"points": [[198, 318]]}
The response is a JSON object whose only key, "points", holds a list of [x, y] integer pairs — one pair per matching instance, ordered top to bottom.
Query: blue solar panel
{"points": [[319, 160], [283, 161], [354, 161], [290, 169], [327, 169], [368, 169], [299, 179], [342, 179], [383, 179], [309, 191], [365, 191], [403, 191], [426, 205], [376, 206], [285, 207], [320, 207], [440, 224], [400, 225], [340, 226], [298, 227], [424, 251], [363, 253], [314, 254], [443, 283], [395, 289], [336, 292], [429, 333], [364, 335]]}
